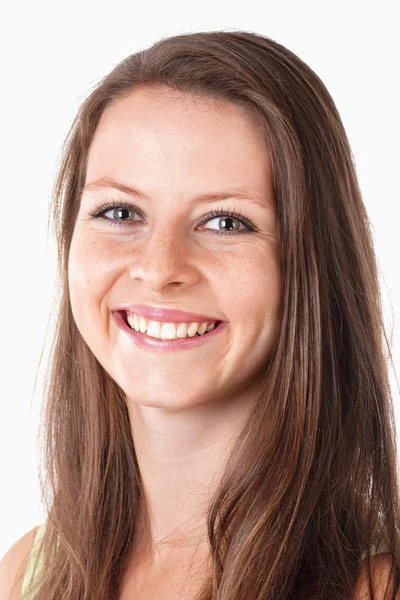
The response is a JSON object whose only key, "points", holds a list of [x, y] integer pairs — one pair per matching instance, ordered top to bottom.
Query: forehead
{"points": [[162, 107], [184, 136]]}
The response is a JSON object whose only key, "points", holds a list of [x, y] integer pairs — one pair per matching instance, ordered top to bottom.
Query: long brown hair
{"points": [[311, 484]]}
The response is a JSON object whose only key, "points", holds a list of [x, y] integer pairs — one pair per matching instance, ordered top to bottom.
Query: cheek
{"points": [[90, 265], [80, 271], [90, 276], [87, 278], [78, 285], [257, 288]]}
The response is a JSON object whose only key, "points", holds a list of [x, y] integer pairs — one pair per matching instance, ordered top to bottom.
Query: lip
{"points": [[163, 315], [145, 341]]}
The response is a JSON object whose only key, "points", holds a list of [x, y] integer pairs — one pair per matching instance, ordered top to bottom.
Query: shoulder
{"points": [[13, 565], [382, 579]]}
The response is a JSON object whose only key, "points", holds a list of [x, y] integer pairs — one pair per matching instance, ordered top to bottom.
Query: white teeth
{"points": [[142, 324], [193, 327], [202, 328], [181, 330], [168, 331]]}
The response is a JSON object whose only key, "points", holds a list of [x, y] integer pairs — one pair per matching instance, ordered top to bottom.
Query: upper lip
{"points": [[165, 315]]}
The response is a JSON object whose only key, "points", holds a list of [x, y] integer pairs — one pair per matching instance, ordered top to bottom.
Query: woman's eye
{"points": [[118, 214], [228, 224]]}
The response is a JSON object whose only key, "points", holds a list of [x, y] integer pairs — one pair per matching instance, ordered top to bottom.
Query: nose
{"points": [[162, 258]]}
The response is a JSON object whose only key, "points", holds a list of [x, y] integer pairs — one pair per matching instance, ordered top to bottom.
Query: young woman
{"points": [[219, 422]]}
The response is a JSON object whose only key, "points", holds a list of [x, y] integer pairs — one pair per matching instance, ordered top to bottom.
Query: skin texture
{"points": [[185, 407], [13, 566]]}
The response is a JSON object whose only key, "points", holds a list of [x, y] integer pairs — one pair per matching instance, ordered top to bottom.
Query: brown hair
{"points": [[293, 525]]}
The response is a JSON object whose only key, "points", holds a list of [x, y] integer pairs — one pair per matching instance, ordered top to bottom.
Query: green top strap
{"points": [[378, 548], [32, 559]]}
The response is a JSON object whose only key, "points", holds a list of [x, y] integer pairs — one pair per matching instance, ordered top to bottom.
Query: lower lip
{"points": [[146, 341]]}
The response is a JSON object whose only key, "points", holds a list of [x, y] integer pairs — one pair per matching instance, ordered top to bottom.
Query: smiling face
{"points": [[174, 148]]}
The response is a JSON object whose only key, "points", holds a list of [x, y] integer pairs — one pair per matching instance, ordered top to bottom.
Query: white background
{"points": [[52, 54]]}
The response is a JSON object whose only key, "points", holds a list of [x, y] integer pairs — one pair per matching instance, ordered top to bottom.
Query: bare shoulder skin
{"points": [[14, 562], [13, 566], [381, 578]]}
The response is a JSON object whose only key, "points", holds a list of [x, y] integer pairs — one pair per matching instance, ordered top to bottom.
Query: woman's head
{"points": [[248, 131], [174, 150], [313, 473]]}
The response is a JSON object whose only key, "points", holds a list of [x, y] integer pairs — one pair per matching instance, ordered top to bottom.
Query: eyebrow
{"points": [[109, 182]]}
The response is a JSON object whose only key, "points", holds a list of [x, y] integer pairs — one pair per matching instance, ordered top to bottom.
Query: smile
{"points": [[168, 331], [192, 338]]}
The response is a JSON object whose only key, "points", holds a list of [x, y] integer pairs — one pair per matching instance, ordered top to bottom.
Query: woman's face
{"points": [[174, 149]]}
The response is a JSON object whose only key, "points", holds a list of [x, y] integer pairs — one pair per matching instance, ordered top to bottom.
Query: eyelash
{"points": [[219, 212]]}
